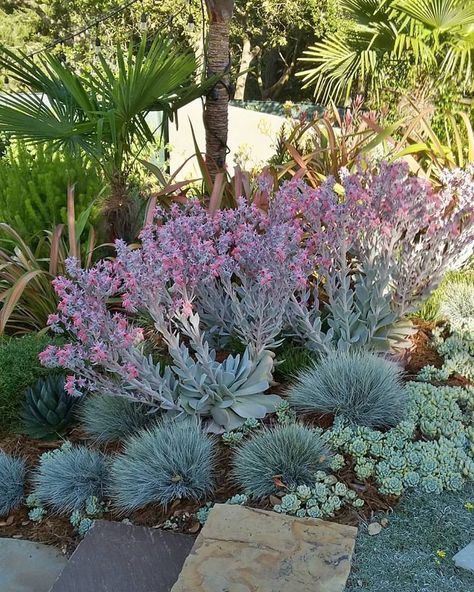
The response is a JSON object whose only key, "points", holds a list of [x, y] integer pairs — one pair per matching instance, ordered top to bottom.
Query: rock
{"points": [[384, 522], [374, 528], [247, 550], [117, 557], [465, 558], [27, 566]]}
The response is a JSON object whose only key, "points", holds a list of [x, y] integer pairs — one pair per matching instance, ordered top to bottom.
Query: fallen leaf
{"points": [[278, 482], [8, 522], [384, 522], [195, 528], [374, 528]]}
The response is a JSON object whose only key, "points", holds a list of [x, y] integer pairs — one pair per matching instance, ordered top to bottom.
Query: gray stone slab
{"points": [[249, 550], [116, 557], [465, 558], [28, 567]]}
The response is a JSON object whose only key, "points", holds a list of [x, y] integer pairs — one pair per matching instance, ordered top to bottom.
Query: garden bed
{"points": [[58, 531]]}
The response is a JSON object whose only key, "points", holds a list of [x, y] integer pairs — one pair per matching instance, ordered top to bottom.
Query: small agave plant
{"points": [[226, 393], [48, 410]]}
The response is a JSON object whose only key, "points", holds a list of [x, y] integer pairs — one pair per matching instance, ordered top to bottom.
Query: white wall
{"points": [[251, 139]]}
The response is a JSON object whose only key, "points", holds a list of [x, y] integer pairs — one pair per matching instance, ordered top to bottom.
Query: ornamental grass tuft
{"points": [[363, 388], [108, 419], [290, 454], [174, 460], [68, 476], [12, 479]]}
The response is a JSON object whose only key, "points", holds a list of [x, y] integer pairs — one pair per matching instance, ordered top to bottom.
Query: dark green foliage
{"points": [[33, 187], [291, 359], [19, 369], [362, 387], [48, 409], [108, 419], [290, 454], [174, 460], [68, 476], [12, 479], [404, 557]]}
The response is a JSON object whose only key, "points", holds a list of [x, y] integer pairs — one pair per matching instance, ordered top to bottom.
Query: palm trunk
{"points": [[245, 61], [216, 113], [120, 210]]}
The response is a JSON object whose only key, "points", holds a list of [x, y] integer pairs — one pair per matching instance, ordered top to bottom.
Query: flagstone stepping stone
{"points": [[248, 550], [117, 557], [465, 557], [28, 567]]}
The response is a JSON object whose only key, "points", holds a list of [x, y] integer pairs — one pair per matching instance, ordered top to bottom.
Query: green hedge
{"points": [[33, 187], [19, 368]]}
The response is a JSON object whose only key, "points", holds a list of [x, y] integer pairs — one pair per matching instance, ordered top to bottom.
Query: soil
{"points": [[57, 531]]}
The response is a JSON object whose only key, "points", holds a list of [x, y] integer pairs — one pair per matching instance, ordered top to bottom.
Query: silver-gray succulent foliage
{"points": [[225, 394]]}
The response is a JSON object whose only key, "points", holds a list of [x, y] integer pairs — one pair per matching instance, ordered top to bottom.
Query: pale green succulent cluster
{"points": [[457, 351], [235, 437], [444, 461], [323, 499], [236, 500], [82, 521]]}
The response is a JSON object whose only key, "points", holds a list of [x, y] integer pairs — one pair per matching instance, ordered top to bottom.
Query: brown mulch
{"points": [[57, 531]]}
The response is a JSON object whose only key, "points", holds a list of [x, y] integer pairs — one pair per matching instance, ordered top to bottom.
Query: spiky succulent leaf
{"points": [[48, 409]]}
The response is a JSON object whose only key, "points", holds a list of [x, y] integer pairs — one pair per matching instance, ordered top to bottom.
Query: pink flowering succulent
{"points": [[337, 267]]}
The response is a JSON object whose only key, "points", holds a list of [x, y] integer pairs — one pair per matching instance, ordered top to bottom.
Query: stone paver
{"points": [[247, 550], [116, 557], [465, 557], [28, 567]]}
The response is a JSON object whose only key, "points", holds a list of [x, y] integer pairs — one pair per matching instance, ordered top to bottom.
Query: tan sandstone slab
{"points": [[248, 550]]}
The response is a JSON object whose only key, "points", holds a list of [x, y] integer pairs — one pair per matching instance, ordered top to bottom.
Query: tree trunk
{"points": [[245, 60], [216, 112], [120, 210]]}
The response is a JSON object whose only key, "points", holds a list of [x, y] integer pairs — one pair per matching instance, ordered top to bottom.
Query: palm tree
{"points": [[437, 36], [102, 113], [216, 114]]}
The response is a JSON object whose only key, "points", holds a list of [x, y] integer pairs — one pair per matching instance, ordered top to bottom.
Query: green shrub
{"points": [[33, 187], [19, 369], [362, 387], [291, 454]]}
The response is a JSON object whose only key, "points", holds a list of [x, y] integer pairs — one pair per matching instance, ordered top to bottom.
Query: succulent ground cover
{"points": [[414, 552]]}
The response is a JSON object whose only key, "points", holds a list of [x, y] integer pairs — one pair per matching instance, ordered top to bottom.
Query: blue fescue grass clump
{"points": [[457, 306], [430, 311], [364, 388], [108, 419], [290, 454], [173, 460], [65, 478], [12, 480], [414, 553]]}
